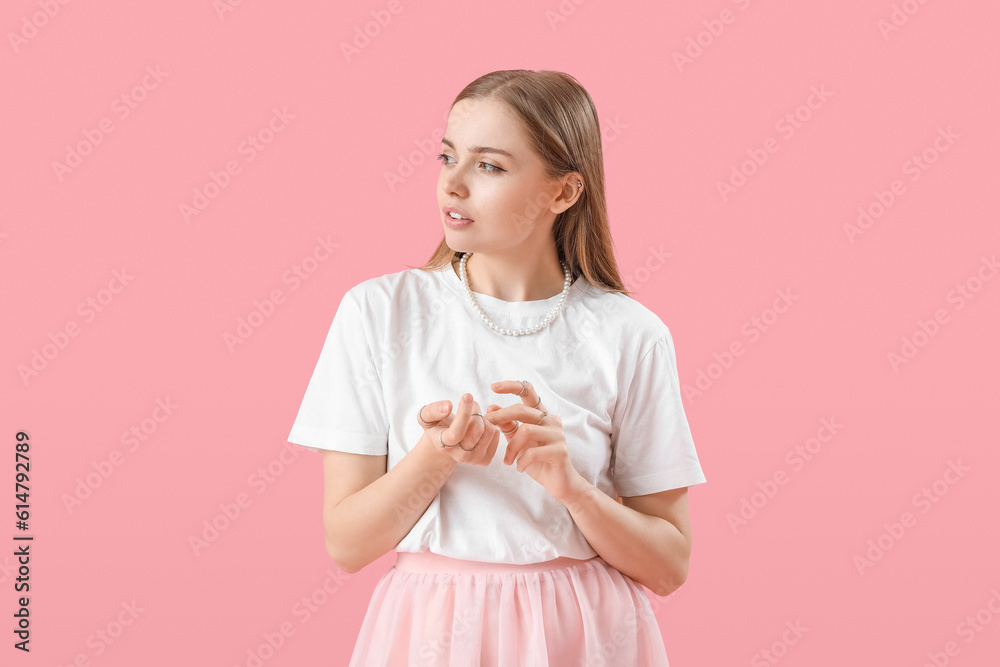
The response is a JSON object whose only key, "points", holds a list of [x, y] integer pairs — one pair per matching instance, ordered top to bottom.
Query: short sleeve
{"points": [[344, 407], [652, 446]]}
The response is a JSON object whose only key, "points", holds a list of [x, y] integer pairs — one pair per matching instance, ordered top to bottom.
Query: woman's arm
{"points": [[367, 511], [646, 537]]}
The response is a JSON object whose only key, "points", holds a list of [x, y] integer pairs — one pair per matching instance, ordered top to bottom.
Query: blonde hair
{"points": [[561, 124]]}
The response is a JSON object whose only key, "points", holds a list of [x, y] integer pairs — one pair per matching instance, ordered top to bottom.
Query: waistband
{"points": [[426, 561]]}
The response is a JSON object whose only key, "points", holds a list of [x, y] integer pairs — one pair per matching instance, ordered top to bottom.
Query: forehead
{"points": [[477, 122]]}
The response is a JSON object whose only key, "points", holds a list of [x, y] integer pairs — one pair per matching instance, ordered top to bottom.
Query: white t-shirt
{"points": [[605, 365]]}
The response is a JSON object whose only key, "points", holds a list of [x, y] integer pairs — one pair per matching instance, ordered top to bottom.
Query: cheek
{"points": [[506, 200], [520, 207]]}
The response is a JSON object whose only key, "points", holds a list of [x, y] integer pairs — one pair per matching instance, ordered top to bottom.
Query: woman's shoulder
{"points": [[384, 289], [620, 315]]}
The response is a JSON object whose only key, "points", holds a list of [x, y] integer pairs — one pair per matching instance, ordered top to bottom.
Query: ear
{"points": [[569, 192]]}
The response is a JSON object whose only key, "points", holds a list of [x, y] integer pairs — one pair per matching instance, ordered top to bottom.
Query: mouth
{"points": [[455, 218]]}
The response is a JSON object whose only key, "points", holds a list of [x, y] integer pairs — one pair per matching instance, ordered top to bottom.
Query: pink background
{"points": [[672, 133]]}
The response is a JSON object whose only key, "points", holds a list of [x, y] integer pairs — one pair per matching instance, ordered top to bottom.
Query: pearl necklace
{"points": [[514, 332]]}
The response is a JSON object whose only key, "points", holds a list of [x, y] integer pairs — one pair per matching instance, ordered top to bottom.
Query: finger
{"points": [[507, 387], [523, 390], [432, 413], [505, 417], [496, 420], [508, 428], [476, 429], [457, 430], [488, 432], [526, 437], [516, 443], [492, 449], [512, 449], [534, 455], [525, 459]]}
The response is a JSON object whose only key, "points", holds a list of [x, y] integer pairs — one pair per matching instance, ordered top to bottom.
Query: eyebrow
{"points": [[479, 149]]}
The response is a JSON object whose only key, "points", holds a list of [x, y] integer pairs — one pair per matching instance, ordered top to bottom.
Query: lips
{"points": [[448, 210]]}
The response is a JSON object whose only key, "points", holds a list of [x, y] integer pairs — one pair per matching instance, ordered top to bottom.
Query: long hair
{"points": [[562, 127]]}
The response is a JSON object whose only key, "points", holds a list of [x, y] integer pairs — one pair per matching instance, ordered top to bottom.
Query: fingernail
{"points": [[444, 408]]}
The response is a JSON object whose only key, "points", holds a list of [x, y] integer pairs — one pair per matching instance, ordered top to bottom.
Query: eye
{"points": [[486, 166]]}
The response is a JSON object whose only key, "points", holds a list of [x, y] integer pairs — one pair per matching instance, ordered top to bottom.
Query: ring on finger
{"points": [[524, 388], [544, 414], [420, 415], [516, 424], [441, 438]]}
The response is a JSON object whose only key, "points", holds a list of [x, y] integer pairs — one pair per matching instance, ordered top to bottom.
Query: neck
{"points": [[522, 278]]}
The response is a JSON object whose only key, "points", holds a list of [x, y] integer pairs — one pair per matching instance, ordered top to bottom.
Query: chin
{"points": [[454, 242]]}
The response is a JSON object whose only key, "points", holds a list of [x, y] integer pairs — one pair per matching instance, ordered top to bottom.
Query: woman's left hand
{"points": [[538, 449]]}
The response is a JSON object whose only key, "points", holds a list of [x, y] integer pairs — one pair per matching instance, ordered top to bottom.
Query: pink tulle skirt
{"points": [[433, 611]]}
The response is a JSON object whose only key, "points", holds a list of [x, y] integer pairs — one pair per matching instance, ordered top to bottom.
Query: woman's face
{"points": [[507, 194]]}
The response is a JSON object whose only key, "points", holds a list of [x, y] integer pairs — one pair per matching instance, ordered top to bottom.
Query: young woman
{"points": [[533, 552]]}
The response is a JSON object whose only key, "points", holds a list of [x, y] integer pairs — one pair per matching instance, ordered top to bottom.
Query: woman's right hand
{"points": [[467, 437]]}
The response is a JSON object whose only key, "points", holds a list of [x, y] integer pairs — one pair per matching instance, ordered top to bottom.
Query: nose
{"points": [[452, 180]]}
